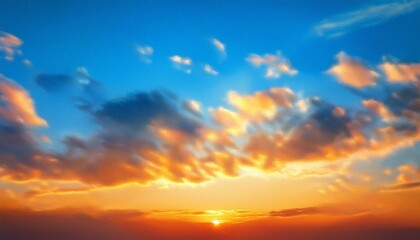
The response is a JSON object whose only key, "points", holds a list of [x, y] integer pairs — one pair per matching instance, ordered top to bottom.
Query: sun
{"points": [[216, 222]]}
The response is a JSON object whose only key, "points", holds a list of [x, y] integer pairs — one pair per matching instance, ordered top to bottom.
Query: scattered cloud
{"points": [[366, 16], [9, 45], [221, 47], [145, 52], [27, 62], [182, 63], [275, 65], [210, 70], [353, 72]]}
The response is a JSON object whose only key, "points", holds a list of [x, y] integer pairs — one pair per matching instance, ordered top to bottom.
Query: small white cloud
{"points": [[9, 45], [221, 47], [145, 53], [181, 60], [27, 62], [182, 63], [276, 65], [210, 70], [83, 76], [194, 105]]}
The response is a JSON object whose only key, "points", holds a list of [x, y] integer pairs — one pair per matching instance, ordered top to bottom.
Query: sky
{"points": [[210, 119]]}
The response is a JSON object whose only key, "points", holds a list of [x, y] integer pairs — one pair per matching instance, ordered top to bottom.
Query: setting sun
{"points": [[216, 222]]}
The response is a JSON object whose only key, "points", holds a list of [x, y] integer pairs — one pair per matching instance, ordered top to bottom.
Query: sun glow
{"points": [[216, 222]]}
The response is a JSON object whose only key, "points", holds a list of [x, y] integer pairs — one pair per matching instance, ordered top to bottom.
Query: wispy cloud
{"points": [[366, 16], [9, 45], [221, 47], [145, 53], [276, 65], [210, 70]]}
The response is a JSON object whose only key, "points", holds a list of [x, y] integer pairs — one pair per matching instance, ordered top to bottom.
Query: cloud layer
{"points": [[150, 136]]}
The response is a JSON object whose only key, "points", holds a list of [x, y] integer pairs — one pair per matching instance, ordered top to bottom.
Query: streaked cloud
{"points": [[366, 16], [9, 45], [145, 52], [275, 65], [210, 70], [353, 72], [403, 186], [295, 212]]}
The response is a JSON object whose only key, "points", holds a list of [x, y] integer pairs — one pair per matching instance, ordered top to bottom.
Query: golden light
{"points": [[216, 222]]}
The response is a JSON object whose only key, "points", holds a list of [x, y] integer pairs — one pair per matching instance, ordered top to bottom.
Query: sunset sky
{"points": [[146, 116]]}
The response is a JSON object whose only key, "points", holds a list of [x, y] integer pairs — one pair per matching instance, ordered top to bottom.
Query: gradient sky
{"points": [[203, 110]]}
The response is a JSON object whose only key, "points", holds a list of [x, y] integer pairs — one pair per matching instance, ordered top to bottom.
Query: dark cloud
{"points": [[54, 82], [136, 111], [404, 186], [295, 212]]}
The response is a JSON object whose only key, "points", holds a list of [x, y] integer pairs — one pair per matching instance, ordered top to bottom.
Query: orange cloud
{"points": [[352, 72], [399, 72], [262, 105], [21, 107], [378, 108], [339, 112], [231, 121]]}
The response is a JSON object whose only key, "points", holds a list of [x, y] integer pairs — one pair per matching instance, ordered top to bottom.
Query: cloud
{"points": [[366, 16], [9, 45], [221, 47], [145, 53], [182, 63], [276, 65], [210, 70], [353, 72], [399, 72], [53, 82], [262, 105], [18, 106], [193, 106], [378, 108], [134, 112], [339, 112], [232, 122], [150, 136], [408, 174], [403, 186], [295, 212]]}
